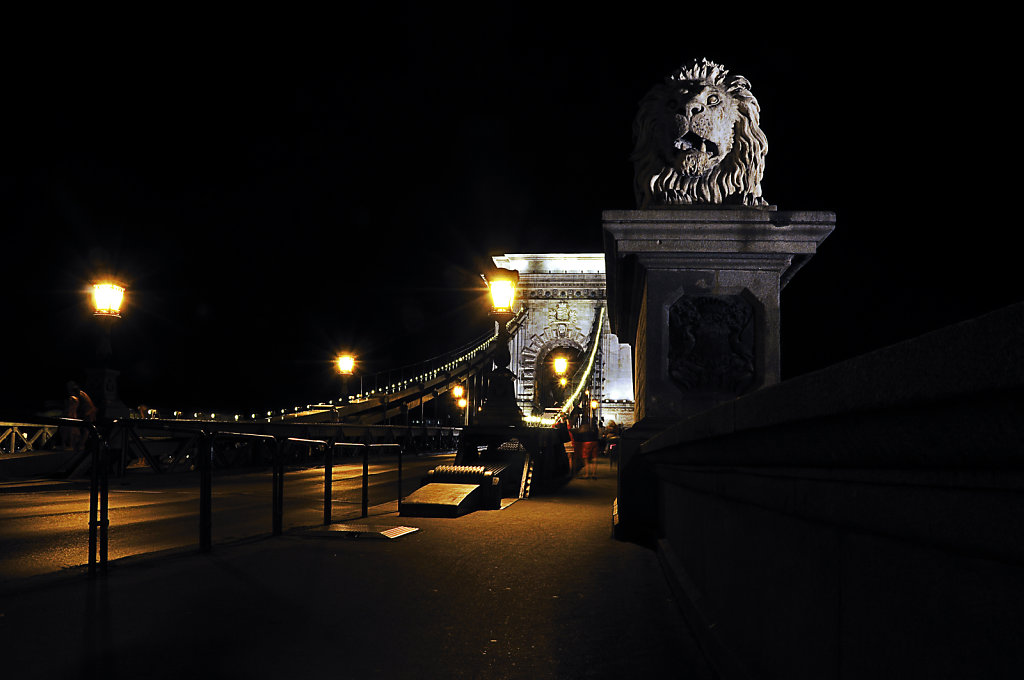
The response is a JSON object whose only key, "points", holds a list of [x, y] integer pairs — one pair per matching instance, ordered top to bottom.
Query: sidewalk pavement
{"points": [[536, 590]]}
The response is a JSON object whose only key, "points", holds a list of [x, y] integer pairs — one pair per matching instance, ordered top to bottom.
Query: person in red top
{"points": [[565, 437], [587, 445]]}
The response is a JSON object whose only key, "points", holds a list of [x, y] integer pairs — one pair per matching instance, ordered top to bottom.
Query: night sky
{"points": [[272, 196]]}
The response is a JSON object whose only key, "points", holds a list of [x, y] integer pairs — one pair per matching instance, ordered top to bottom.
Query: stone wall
{"points": [[863, 521]]}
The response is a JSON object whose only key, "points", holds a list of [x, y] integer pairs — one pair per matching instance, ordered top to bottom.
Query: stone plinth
{"points": [[697, 291]]}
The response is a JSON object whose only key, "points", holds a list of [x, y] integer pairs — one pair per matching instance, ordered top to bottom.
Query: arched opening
{"points": [[548, 393]]}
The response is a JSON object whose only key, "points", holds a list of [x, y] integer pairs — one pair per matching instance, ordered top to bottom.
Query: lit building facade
{"points": [[564, 293]]}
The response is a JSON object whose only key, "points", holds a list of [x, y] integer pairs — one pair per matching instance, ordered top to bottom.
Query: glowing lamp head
{"points": [[502, 283], [107, 299], [346, 364], [561, 365], [563, 381], [458, 391], [462, 402], [593, 404]]}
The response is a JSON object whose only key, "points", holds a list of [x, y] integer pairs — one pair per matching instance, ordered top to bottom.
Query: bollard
{"points": [[204, 454]]}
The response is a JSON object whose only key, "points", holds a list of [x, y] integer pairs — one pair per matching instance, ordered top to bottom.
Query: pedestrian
{"points": [[86, 410], [69, 435], [612, 435], [565, 438], [588, 446]]}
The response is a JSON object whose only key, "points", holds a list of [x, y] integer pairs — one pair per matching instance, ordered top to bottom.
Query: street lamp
{"points": [[107, 300], [346, 366], [461, 402], [501, 408]]}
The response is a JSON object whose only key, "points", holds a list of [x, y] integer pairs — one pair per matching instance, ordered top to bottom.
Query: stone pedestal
{"points": [[696, 291]]}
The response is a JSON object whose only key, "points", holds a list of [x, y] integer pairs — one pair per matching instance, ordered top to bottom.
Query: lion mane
{"points": [[697, 139]]}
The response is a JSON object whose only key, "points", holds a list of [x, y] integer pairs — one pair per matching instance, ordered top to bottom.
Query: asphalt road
{"points": [[44, 531]]}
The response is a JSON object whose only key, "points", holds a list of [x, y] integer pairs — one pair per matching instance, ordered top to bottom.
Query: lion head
{"points": [[697, 140]]}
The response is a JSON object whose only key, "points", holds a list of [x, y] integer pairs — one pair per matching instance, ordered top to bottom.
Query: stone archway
{"points": [[564, 294], [546, 392]]}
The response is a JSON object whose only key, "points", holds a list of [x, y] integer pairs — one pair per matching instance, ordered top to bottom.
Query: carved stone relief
{"points": [[711, 343]]}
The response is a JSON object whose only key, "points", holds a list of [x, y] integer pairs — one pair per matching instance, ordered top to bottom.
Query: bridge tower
{"points": [[564, 293]]}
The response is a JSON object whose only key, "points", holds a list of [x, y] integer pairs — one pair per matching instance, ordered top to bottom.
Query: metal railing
{"points": [[22, 436], [206, 443]]}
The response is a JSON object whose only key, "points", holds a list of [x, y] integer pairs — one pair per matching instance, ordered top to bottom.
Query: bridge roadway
{"points": [[536, 590]]}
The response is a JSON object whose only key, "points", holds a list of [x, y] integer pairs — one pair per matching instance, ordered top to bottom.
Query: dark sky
{"points": [[272, 195]]}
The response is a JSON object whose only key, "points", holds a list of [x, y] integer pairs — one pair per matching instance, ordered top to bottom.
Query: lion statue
{"points": [[697, 140]]}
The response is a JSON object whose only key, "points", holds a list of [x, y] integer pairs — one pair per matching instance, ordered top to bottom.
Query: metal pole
{"points": [[124, 450], [204, 451], [400, 472], [366, 479], [328, 480], [278, 481], [94, 489], [104, 503]]}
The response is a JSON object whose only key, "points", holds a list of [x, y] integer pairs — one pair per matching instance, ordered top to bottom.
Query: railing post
{"points": [[400, 448], [124, 450], [204, 451], [328, 479], [366, 480], [278, 481]]}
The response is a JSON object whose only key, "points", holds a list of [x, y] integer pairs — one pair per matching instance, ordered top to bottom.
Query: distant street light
{"points": [[561, 365], [346, 366], [458, 391]]}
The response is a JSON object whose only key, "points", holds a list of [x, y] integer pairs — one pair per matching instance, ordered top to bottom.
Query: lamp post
{"points": [[107, 299], [346, 364], [500, 408]]}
